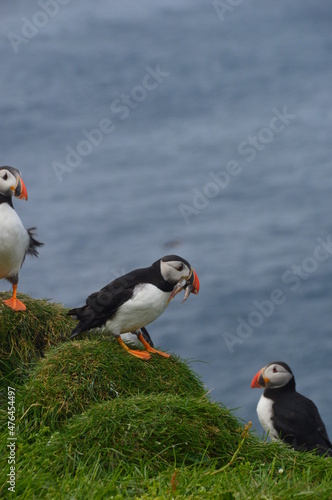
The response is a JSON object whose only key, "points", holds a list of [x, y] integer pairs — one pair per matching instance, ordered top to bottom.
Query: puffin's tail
{"points": [[33, 243], [84, 315]]}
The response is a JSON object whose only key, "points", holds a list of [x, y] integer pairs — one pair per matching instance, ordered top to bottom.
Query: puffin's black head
{"points": [[11, 183], [178, 272], [273, 376]]}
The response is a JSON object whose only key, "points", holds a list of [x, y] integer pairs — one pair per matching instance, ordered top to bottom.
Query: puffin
{"points": [[15, 241], [134, 300], [286, 414]]}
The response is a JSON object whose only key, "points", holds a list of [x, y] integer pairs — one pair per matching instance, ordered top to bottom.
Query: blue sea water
{"points": [[210, 137]]}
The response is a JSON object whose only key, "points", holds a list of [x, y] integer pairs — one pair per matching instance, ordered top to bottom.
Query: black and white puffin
{"points": [[15, 241], [134, 300], [286, 414]]}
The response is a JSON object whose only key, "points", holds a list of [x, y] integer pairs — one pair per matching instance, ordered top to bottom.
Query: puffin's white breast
{"points": [[14, 241], [147, 303], [265, 414]]}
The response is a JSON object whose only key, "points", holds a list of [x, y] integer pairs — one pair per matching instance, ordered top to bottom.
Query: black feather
{"points": [[33, 243], [100, 307]]}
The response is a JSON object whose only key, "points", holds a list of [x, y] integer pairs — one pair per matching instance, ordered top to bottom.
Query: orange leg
{"points": [[13, 302], [151, 349], [138, 354]]}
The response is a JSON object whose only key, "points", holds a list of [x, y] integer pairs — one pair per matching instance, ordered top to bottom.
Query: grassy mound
{"points": [[24, 337], [79, 373], [91, 421], [155, 430], [162, 446]]}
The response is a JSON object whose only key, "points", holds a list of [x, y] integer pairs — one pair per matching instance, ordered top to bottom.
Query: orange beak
{"points": [[20, 190], [195, 283], [191, 285], [259, 381], [254, 382]]}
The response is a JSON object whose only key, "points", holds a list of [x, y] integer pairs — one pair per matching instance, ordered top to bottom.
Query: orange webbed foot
{"points": [[15, 304], [152, 349], [138, 354]]}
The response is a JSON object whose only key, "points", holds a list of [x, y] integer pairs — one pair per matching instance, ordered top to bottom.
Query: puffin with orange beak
{"points": [[15, 241], [134, 300], [287, 415]]}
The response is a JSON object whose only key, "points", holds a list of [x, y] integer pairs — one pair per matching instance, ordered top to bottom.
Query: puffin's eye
{"points": [[5, 177], [180, 267], [275, 369]]}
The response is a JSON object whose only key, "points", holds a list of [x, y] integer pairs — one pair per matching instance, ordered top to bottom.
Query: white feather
{"points": [[14, 241], [265, 413]]}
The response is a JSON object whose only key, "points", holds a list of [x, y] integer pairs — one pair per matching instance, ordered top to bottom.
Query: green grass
{"points": [[24, 337], [77, 374], [94, 422]]}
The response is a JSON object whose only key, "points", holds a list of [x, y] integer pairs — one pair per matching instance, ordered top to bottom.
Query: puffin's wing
{"points": [[33, 242], [108, 300], [100, 307], [286, 422], [300, 424]]}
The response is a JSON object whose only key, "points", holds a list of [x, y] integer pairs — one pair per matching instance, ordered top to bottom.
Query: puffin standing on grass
{"points": [[15, 241], [134, 300], [286, 414]]}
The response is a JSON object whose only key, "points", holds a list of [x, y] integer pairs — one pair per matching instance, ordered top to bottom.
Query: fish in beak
{"points": [[190, 285]]}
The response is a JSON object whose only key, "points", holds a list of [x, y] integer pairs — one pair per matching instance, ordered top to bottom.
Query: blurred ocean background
{"points": [[214, 143]]}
